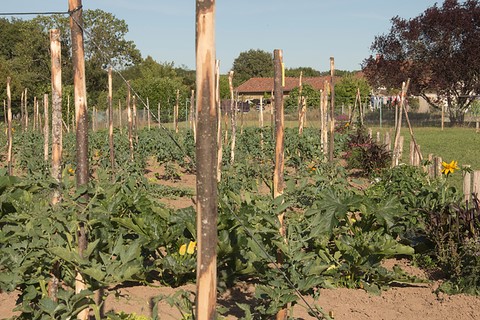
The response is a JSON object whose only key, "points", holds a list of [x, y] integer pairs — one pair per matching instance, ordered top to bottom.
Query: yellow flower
{"points": [[449, 167], [71, 171], [191, 247], [183, 249]]}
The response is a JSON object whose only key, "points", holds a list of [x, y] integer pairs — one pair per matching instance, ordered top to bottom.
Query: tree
{"points": [[438, 51], [252, 63], [306, 71], [346, 90], [311, 95]]}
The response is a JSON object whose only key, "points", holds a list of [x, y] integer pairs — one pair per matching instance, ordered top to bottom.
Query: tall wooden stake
{"points": [[80, 91], [26, 110], [332, 110], [175, 111], [158, 115], [233, 118], [57, 119], [130, 121], [219, 121], [110, 123], [46, 127], [9, 128], [206, 154], [278, 180]]}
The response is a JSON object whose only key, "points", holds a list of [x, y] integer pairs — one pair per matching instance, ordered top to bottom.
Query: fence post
{"points": [[55, 49], [332, 109], [110, 123], [9, 128], [206, 154]]}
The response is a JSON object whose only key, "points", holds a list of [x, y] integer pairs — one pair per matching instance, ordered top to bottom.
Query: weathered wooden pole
{"points": [[332, 109], [26, 110], [175, 111], [148, 114], [158, 115], [134, 116], [22, 118], [233, 118], [130, 121], [219, 121], [81, 123], [110, 123], [398, 126], [9, 128], [46, 128], [57, 135], [206, 154], [278, 178]]}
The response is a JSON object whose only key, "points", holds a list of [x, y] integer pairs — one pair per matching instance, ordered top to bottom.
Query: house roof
{"points": [[261, 85]]}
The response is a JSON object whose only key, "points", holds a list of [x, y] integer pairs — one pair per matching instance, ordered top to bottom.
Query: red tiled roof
{"points": [[261, 85]]}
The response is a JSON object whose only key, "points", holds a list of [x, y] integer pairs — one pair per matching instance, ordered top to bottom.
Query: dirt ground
{"points": [[417, 301]]}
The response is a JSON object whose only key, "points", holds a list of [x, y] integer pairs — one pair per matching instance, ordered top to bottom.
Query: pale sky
{"points": [[308, 31]]}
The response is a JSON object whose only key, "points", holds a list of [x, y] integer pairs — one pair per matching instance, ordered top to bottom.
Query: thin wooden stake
{"points": [[26, 110], [332, 110], [175, 111], [233, 114], [130, 121], [219, 121], [110, 123], [81, 124], [46, 128], [9, 129], [57, 132], [206, 153], [278, 180]]}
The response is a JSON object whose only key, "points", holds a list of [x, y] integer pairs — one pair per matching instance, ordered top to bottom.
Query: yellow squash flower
{"points": [[449, 167], [191, 247], [183, 249]]}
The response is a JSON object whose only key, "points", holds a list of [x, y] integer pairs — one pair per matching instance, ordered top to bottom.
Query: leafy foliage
{"points": [[436, 50]]}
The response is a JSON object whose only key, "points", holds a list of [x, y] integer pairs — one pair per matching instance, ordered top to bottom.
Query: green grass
{"points": [[459, 144]]}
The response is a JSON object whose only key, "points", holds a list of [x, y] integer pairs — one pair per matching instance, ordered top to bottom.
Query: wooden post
{"points": [[80, 90], [299, 100], [26, 109], [332, 109], [175, 111], [233, 113], [148, 114], [134, 116], [22, 118], [94, 120], [260, 120], [219, 121], [130, 122], [110, 123], [398, 125], [9, 128], [46, 128], [57, 135], [387, 141], [206, 153], [278, 180], [476, 183], [467, 185]]}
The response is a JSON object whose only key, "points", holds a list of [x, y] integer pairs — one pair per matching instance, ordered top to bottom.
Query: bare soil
{"points": [[419, 301]]}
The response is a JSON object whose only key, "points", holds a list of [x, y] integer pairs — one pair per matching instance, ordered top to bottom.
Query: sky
{"points": [[308, 31]]}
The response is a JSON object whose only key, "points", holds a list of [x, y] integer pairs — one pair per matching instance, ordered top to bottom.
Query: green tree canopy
{"points": [[252, 63], [346, 90], [312, 98]]}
